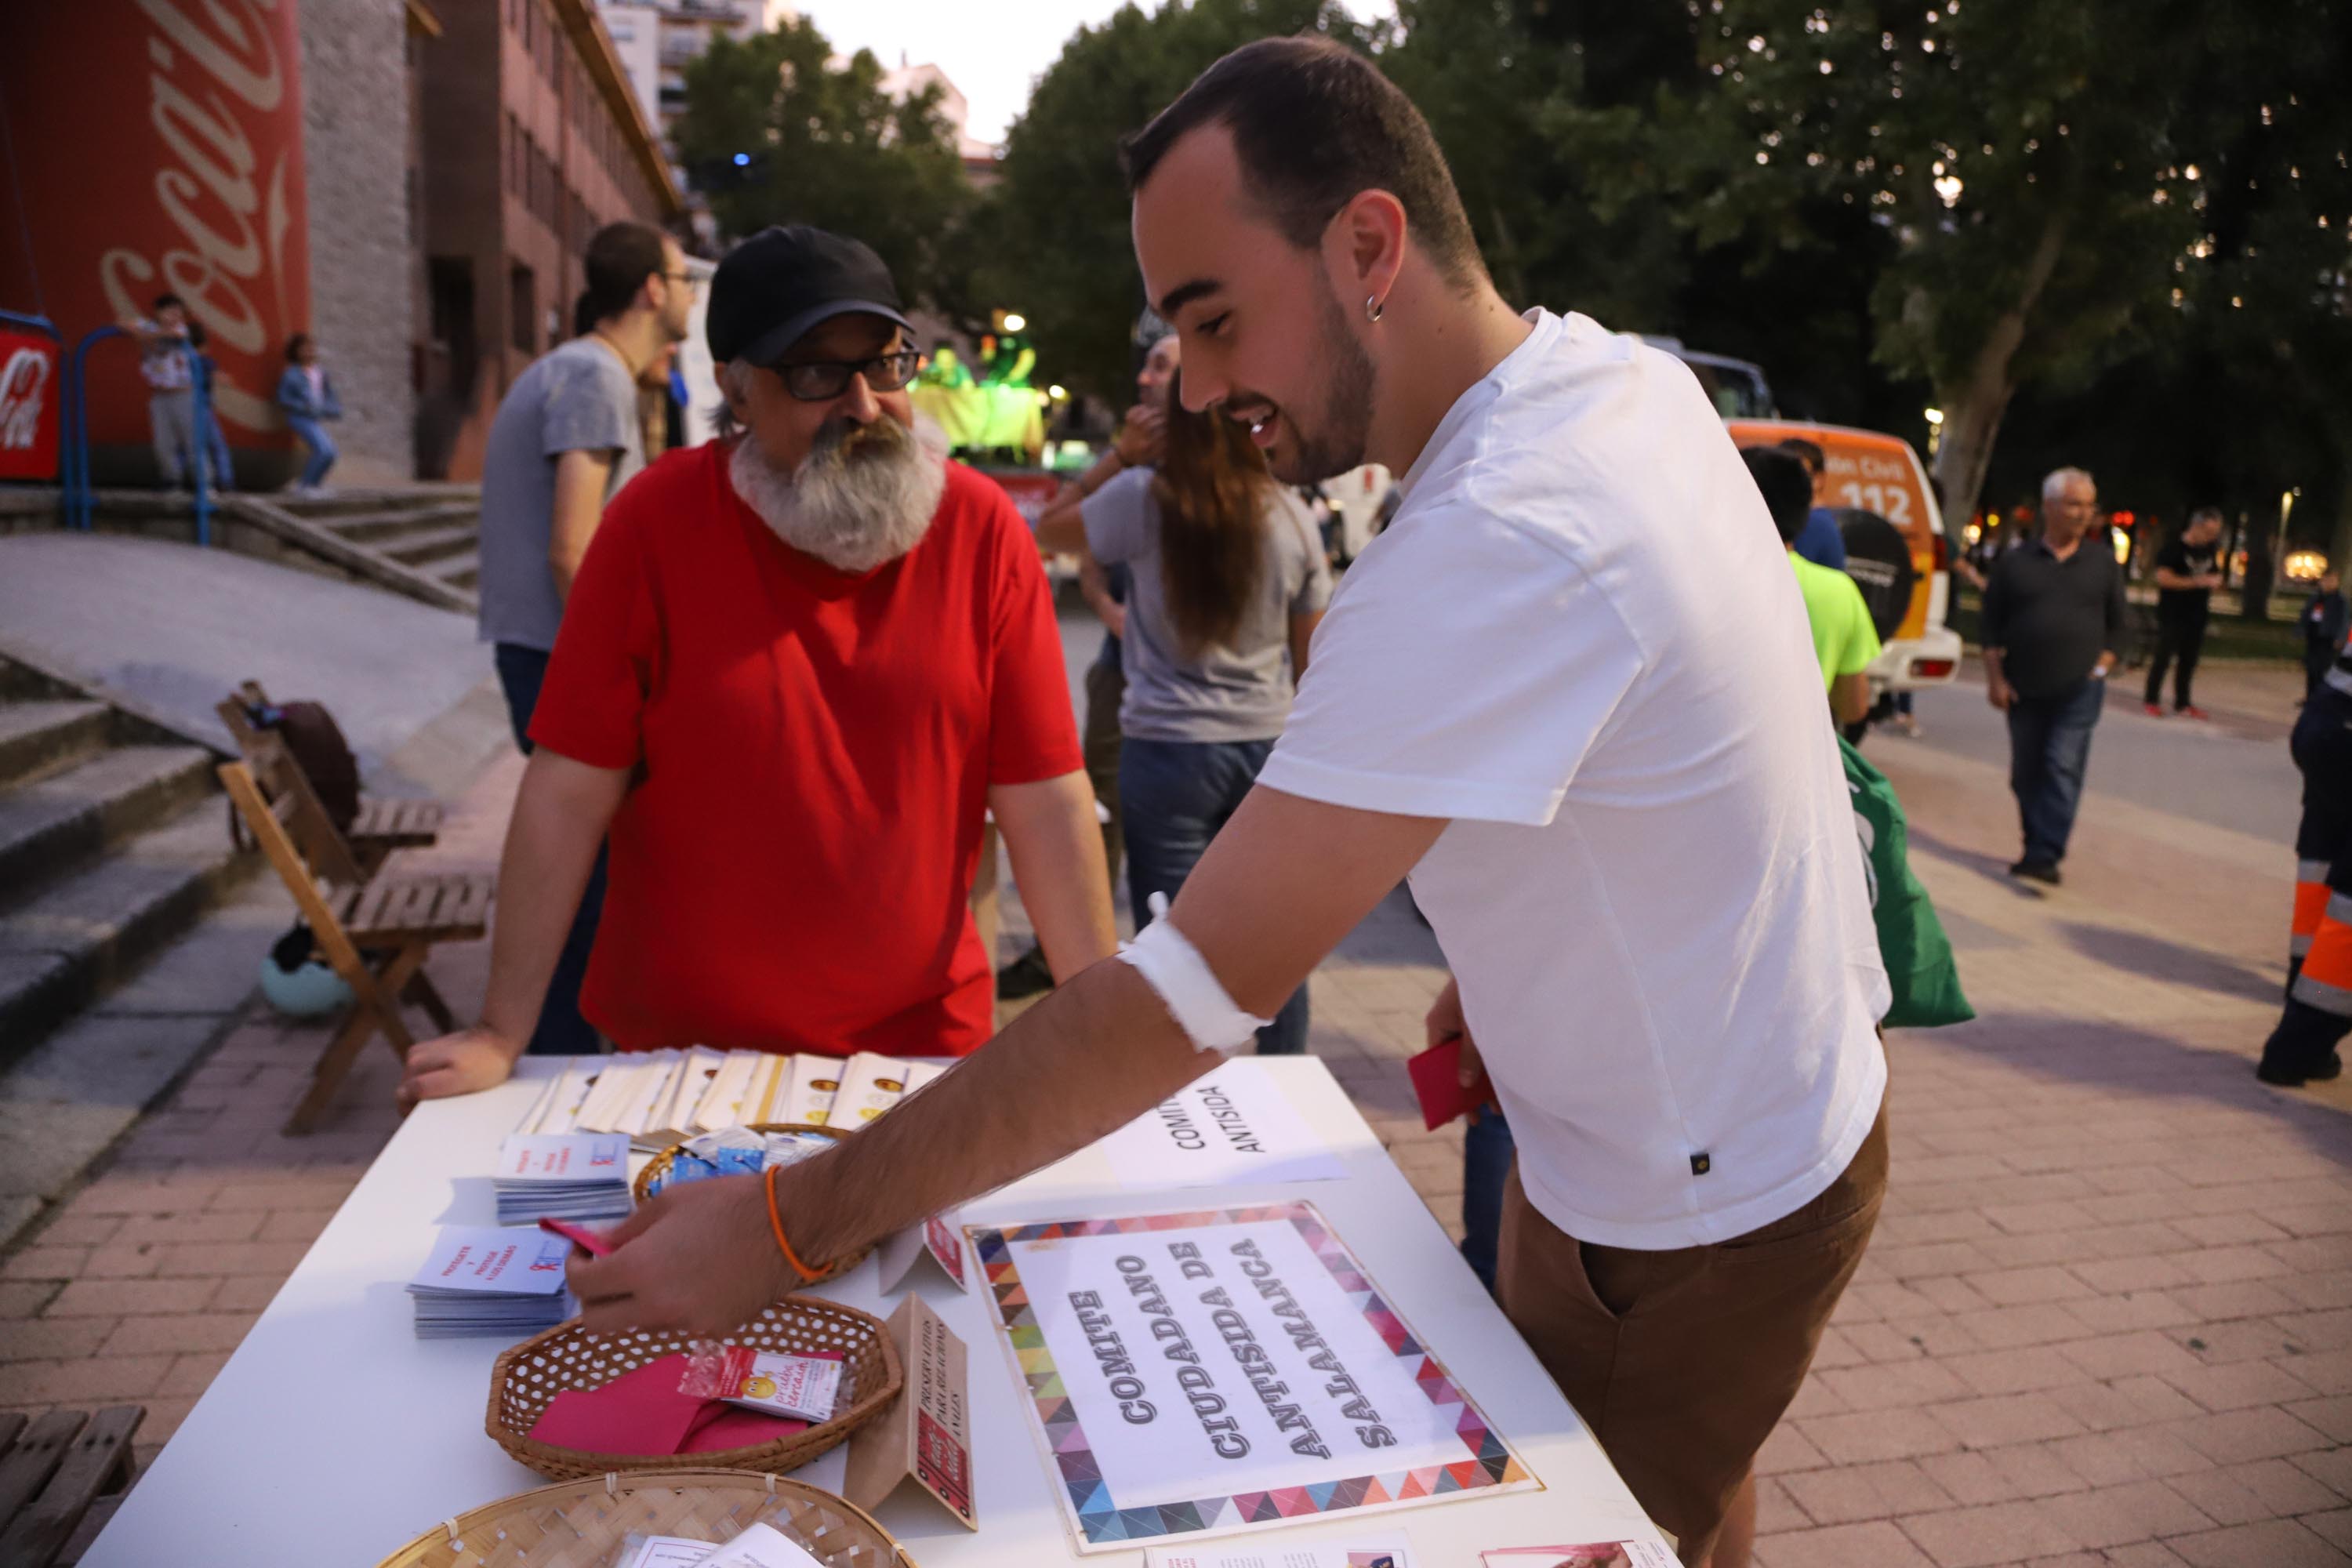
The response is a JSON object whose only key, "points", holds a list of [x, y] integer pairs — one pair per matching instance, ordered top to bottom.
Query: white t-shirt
{"points": [[1579, 640]]}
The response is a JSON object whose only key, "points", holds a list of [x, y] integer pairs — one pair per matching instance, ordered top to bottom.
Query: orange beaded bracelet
{"points": [[776, 1223]]}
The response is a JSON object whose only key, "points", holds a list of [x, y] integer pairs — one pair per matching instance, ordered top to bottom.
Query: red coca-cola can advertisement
{"points": [[158, 149], [28, 400]]}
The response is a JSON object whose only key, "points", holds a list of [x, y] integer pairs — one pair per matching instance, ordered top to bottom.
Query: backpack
{"points": [[318, 749]]}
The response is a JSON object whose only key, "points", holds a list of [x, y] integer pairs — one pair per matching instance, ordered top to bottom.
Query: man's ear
{"points": [[1372, 237]]}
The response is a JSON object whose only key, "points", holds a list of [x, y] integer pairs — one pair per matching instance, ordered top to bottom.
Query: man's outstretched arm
{"points": [[1285, 881]]}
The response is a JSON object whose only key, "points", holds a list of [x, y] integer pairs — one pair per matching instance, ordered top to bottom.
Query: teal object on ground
{"points": [[311, 991]]}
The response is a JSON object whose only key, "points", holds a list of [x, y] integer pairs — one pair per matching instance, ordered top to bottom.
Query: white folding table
{"points": [[334, 1435]]}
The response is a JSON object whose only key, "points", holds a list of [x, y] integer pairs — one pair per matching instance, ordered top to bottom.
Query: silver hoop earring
{"points": [[1373, 308]]}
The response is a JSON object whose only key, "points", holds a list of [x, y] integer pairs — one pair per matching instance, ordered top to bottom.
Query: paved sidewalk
{"points": [[2107, 1317]]}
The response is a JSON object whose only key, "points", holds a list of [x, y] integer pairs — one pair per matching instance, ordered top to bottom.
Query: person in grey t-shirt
{"points": [[566, 438], [1227, 580]]}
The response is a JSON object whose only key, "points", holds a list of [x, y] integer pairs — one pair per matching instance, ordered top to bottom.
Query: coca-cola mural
{"points": [[159, 149]]}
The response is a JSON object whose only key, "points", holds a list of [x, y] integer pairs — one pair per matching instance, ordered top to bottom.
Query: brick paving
{"points": [[2106, 1319]]}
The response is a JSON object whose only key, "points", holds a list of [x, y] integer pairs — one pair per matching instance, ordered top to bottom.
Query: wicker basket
{"points": [[659, 1166], [526, 1379], [583, 1523]]}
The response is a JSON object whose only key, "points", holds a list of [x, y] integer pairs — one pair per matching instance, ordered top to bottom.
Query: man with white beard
{"points": [[797, 668]]}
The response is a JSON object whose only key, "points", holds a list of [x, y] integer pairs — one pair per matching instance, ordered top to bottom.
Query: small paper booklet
{"points": [[574, 1175], [486, 1280]]}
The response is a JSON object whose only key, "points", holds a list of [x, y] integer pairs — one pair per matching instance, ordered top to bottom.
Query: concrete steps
{"points": [[368, 527], [427, 546], [36, 736], [113, 840]]}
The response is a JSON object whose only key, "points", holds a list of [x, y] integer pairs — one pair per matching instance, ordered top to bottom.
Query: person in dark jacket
{"points": [[307, 397], [2053, 618], [2324, 622]]}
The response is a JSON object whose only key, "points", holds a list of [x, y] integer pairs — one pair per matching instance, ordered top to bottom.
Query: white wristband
{"points": [[1174, 968]]}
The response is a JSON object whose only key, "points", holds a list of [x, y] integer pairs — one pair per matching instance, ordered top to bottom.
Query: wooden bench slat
{"points": [[11, 1423], [37, 1452], [100, 1455]]}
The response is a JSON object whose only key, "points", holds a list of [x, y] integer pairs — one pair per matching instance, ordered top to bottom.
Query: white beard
{"points": [[855, 509]]}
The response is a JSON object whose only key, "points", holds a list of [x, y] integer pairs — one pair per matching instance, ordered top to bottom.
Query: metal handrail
{"points": [[79, 495]]}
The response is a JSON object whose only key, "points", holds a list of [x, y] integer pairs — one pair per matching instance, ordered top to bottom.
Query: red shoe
{"points": [[2155, 710], [2192, 713]]}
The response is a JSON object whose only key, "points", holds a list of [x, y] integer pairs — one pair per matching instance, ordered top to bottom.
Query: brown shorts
{"points": [[1681, 1362]]}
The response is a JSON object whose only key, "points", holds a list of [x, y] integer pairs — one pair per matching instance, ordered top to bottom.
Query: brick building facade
{"points": [[532, 140]]}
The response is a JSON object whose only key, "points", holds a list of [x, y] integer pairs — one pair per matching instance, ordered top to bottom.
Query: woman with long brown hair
{"points": [[1228, 581]]}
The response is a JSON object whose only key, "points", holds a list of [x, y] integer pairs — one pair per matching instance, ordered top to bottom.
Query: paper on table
{"points": [[920, 1074], [769, 1080], [610, 1083], [870, 1084], [647, 1089], [808, 1096], [723, 1102], [559, 1111], [674, 1111], [1232, 1127], [1189, 1364], [761, 1546], [1364, 1551], [669, 1552], [1594, 1555]]}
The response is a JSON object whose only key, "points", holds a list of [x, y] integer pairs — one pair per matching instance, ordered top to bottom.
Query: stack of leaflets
{"points": [[660, 1099], [574, 1175], [482, 1279]]}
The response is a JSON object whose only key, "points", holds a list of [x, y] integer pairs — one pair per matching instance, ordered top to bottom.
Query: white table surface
{"points": [[334, 1435]]}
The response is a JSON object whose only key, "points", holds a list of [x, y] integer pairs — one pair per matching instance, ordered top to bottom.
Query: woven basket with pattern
{"points": [[526, 1379], [584, 1524]]}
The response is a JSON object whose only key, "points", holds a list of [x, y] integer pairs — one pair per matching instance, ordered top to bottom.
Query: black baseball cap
{"points": [[772, 289]]}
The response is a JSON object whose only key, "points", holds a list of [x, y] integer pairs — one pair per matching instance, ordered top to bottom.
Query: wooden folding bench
{"points": [[383, 824], [374, 930], [62, 1477]]}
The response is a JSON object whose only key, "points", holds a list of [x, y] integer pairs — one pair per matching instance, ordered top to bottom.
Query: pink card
{"points": [[1437, 1078], [588, 1241], [639, 1412], [733, 1428]]}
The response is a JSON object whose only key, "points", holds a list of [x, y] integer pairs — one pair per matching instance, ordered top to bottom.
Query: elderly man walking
{"points": [[2054, 615]]}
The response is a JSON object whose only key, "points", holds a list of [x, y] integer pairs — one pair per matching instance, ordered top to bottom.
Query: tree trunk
{"points": [[1973, 408]]}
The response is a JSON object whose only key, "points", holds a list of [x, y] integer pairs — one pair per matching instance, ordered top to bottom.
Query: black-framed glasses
{"points": [[820, 381]]}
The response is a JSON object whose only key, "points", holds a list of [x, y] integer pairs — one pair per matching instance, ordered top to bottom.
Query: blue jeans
{"points": [[314, 436], [2049, 747], [1173, 796], [563, 1031], [1487, 1150]]}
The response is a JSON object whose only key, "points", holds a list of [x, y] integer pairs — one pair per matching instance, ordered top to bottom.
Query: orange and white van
{"points": [[1878, 490]]}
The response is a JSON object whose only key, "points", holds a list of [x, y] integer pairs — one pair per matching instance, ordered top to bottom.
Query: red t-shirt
{"points": [[813, 753]]}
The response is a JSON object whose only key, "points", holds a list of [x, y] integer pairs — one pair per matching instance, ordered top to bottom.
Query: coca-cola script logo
{"points": [[214, 65], [24, 381]]}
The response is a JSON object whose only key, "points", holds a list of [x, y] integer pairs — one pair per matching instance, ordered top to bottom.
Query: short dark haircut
{"points": [[1314, 125], [619, 260], [164, 301], [584, 314], [294, 346], [1806, 452], [1788, 489], [2207, 514]]}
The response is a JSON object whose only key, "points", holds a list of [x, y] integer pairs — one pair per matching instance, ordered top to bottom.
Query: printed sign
{"points": [[1232, 1127], [934, 1240], [1204, 1374], [926, 1436]]}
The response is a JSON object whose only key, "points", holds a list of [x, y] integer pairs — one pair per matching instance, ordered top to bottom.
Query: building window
{"points": [[523, 308]]}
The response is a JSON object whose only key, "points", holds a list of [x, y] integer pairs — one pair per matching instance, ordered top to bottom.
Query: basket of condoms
{"points": [[742, 1152], [785, 1387]]}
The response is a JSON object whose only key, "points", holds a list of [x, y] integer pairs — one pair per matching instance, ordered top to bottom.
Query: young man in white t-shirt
{"points": [[1605, 774]]}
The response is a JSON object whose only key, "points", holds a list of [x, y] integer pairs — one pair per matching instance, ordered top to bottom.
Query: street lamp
{"points": [[1014, 321], [1934, 429]]}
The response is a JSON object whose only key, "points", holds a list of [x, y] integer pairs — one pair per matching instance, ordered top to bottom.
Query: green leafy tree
{"points": [[775, 133], [2027, 163], [1060, 252]]}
